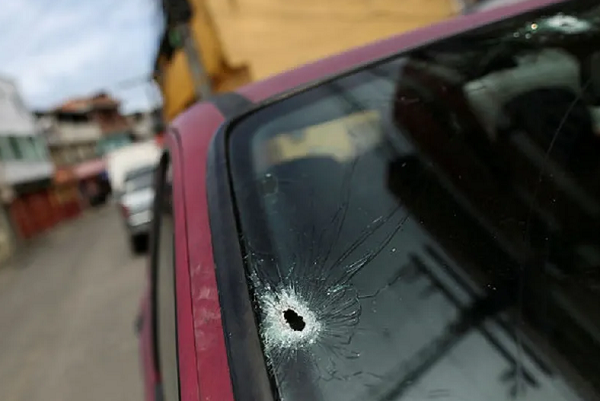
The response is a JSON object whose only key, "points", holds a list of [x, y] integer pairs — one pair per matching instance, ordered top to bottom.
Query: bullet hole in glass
{"points": [[294, 320]]}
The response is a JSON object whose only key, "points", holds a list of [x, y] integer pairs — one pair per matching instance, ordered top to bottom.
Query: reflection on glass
{"points": [[342, 139], [427, 228]]}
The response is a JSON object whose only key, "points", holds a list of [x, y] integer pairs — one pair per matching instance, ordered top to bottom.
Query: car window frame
{"points": [[162, 168], [235, 298]]}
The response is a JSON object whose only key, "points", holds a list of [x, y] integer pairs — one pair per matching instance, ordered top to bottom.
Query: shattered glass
{"points": [[426, 227]]}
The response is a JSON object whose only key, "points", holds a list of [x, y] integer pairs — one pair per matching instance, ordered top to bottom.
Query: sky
{"points": [[58, 49]]}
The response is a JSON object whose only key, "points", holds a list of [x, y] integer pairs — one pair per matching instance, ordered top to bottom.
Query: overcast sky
{"points": [[57, 49]]}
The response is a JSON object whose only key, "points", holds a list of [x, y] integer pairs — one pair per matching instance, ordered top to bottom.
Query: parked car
{"points": [[120, 161], [135, 202], [417, 218]]}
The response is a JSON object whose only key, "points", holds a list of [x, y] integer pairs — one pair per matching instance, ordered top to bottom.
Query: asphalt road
{"points": [[273, 36], [67, 311]]}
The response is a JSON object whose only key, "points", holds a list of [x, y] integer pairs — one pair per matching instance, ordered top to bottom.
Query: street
{"points": [[67, 311]]}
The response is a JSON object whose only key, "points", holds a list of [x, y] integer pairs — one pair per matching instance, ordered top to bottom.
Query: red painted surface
{"points": [[63, 176], [200, 326], [203, 368], [188, 377]]}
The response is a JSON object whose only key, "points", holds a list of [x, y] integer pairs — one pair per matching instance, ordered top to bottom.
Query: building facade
{"points": [[79, 133], [25, 173]]}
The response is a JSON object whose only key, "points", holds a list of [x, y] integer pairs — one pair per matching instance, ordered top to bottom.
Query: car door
{"points": [[158, 328]]}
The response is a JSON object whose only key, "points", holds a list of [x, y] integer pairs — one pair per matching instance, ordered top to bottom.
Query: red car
{"points": [[414, 219]]}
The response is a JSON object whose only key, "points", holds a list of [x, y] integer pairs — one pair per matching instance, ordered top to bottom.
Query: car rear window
{"points": [[428, 227]]}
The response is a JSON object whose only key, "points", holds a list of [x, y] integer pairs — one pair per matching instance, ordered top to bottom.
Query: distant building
{"points": [[483, 5], [116, 128], [79, 133], [25, 171]]}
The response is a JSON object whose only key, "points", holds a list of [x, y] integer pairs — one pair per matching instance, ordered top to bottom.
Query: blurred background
{"points": [[87, 87]]}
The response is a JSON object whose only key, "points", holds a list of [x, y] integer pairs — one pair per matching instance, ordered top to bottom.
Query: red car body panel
{"points": [[203, 365]]}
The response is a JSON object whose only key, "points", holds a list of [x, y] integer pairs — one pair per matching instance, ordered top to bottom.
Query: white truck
{"points": [[126, 158], [131, 171]]}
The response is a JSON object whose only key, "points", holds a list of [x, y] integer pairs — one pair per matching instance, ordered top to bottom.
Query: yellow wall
{"points": [[275, 35], [271, 36], [207, 38], [176, 86], [342, 139]]}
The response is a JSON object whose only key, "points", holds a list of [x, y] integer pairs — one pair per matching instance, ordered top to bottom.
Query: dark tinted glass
{"points": [[429, 227]]}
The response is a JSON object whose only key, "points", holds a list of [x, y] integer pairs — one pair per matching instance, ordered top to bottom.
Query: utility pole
{"points": [[179, 14], [200, 76]]}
